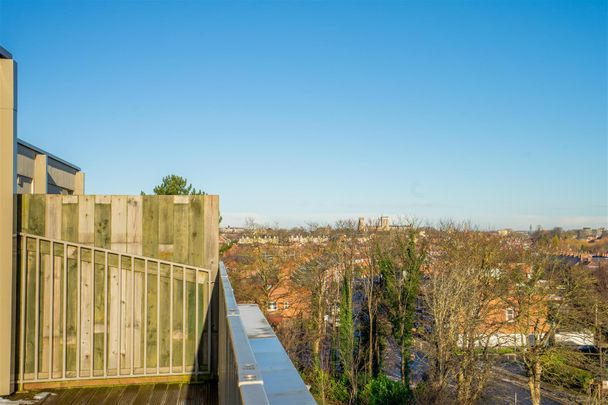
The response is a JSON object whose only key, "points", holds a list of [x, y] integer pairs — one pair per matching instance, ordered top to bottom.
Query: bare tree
{"points": [[461, 293], [547, 296]]}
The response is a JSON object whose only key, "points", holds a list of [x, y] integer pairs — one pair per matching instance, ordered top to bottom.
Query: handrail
{"points": [[107, 335], [240, 379]]}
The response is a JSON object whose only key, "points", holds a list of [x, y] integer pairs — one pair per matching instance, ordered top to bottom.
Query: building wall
{"points": [[61, 177]]}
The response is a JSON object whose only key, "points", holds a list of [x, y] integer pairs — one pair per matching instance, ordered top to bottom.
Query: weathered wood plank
{"points": [[24, 207], [36, 216], [69, 219], [86, 219], [103, 224], [134, 225], [150, 225], [165, 227], [180, 231], [196, 231], [118, 240], [211, 262], [30, 307], [57, 309], [71, 312], [203, 313], [99, 314], [113, 314], [138, 314], [86, 315], [152, 320], [164, 321], [127, 325], [178, 335], [44, 336], [191, 340], [100, 394], [158, 394], [173, 394], [114, 395], [129, 395], [144, 395], [63, 396]]}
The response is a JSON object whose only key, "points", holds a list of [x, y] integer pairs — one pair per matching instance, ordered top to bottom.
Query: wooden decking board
{"points": [[159, 393], [129, 394], [194, 394], [99, 395], [114, 395], [172, 395], [62, 396], [83, 396], [143, 396]]}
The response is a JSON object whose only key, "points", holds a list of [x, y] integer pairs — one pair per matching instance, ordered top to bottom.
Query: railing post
{"points": [[8, 279]]}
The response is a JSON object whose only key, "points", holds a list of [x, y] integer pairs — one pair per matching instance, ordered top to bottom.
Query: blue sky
{"points": [[310, 111]]}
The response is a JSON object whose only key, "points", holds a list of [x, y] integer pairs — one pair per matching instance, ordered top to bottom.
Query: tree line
{"points": [[425, 315]]}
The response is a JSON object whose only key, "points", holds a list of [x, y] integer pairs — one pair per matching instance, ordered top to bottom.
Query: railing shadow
{"points": [[203, 389]]}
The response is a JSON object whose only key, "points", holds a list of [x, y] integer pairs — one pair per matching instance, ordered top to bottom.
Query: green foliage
{"points": [[175, 185], [226, 246], [401, 274], [347, 331], [557, 371], [327, 388], [382, 391]]}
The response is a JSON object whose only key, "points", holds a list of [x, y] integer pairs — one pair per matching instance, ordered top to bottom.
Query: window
{"points": [[285, 305], [272, 306], [510, 314]]}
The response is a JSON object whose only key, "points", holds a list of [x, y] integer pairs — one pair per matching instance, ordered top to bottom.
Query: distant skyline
{"points": [[310, 111]]}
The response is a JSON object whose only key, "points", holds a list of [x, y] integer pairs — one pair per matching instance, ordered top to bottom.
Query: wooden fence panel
{"points": [[95, 313]]}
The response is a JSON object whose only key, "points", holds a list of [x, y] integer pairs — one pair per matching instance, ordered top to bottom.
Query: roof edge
{"points": [[4, 54], [50, 155]]}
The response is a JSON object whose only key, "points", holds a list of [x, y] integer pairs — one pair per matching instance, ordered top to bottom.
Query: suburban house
{"points": [[122, 292]]}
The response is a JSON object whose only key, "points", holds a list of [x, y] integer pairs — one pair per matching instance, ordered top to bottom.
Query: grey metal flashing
{"points": [[4, 54], [50, 155], [239, 375], [282, 382]]}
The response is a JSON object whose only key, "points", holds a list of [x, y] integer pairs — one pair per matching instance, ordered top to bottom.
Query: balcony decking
{"points": [[158, 394]]}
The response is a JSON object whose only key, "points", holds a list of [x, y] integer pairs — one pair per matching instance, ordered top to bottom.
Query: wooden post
{"points": [[8, 149], [41, 168], [79, 183], [211, 251]]}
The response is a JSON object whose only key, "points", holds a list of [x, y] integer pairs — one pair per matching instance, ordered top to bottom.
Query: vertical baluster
{"points": [[92, 281], [208, 302], [78, 305], [37, 308], [52, 309], [64, 309], [22, 314], [132, 315], [105, 317], [158, 318], [184, 319], [120, 320], [145, 320], [171, 320], [196, 367]]}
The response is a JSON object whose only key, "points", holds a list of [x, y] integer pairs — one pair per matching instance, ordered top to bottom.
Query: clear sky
{"points": [[309, 111]]}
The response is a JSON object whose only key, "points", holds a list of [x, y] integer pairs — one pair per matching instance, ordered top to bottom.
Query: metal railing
{"points": [[93, 313], [240, 380]]}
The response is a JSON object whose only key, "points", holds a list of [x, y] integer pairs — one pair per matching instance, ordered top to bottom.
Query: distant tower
{"points": [[384, 223], [361, 225]]}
